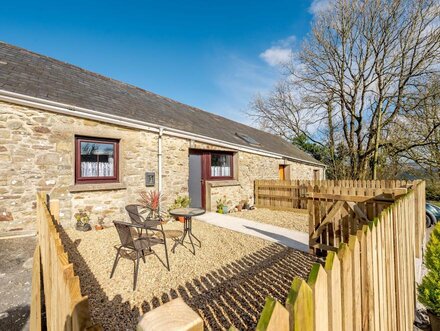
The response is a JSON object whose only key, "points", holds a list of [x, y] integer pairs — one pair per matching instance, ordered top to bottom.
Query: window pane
{"points": [[97, 159], [220, 165]]}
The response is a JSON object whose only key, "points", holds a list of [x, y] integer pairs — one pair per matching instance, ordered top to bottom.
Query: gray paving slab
{"points": [[291, 238]]}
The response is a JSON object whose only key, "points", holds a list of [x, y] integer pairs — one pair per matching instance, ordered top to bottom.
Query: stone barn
{"points": [[94, 142]]}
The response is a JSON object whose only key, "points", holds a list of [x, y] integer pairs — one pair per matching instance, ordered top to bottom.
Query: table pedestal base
{"points": [[187, 229]]}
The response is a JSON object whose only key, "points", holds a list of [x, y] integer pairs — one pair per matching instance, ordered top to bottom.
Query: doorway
{"points": [[283, 172], [195, 181]]}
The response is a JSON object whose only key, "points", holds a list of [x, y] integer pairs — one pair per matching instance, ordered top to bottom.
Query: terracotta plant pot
{"points": [[239, 207], [181, 219], [98, 227], [435, 321]]}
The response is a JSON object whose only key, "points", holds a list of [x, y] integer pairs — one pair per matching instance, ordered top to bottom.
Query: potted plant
{"points": [[151, 201], [182, 201], [220, 205], [226, 207], [82, 220], [100, 225], [429, 288]]}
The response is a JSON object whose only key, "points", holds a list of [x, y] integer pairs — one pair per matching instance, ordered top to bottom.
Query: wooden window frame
{"points": [[207, 161], [95, 180]]}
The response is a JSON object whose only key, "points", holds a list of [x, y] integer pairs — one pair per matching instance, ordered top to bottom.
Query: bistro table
{"points": [[187, 214]]}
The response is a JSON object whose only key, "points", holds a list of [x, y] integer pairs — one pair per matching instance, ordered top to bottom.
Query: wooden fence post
{"points": [[354, 246], [344, 255], [333, 269], [318, 283], [299, 304], [274, 317]]}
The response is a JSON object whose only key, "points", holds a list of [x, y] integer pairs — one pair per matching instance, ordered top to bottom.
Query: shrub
{"points": [[182, 201], [429, 288]]}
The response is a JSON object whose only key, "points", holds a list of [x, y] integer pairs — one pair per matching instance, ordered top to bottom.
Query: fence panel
{"points": [[289, 195], [376, 265], [66, 308]]}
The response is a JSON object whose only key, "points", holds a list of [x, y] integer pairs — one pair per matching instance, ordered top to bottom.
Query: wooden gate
{"points": [[335, 213]]}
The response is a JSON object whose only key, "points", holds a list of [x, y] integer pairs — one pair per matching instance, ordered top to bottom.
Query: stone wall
{"points": [[37, 154]]}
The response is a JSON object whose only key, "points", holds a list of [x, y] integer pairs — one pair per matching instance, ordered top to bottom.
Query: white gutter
{"points": [[66, 109]]}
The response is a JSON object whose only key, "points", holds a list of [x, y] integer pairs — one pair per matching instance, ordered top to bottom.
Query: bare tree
{"points": [[351, 79], [422, 145]]}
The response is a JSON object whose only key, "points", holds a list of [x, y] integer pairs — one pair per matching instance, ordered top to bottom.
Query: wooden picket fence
{"points": [[291, 195], [367, 283], [65, 307]]}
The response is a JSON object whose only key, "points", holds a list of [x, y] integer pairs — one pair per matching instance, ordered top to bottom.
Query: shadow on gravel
{"points": [[14, 319]]}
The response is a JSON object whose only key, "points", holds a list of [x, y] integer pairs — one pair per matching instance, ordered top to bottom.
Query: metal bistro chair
{"points": [[146, 222], [136, 244]]}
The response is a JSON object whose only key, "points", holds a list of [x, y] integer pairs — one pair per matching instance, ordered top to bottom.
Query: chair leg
{"points": [[166, 251], [115, 263], [136, 269]]}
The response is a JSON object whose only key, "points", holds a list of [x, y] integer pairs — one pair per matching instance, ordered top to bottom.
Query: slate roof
{"points": [[28, 73]]}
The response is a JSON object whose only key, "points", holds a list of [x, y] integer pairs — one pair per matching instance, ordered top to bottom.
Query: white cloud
{"points": [[319, 6], [280, 53], [276, 56]]}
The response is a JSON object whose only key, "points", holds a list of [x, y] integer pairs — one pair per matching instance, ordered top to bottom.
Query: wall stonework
{"points": [[37, 154]]}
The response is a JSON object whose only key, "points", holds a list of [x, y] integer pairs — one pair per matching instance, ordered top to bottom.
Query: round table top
{"points": [[187, 212]]}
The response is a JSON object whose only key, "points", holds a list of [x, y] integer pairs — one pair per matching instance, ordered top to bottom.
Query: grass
{"points": [[437, 203]]}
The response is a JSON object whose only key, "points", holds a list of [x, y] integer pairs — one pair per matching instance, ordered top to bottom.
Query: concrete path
{"points": [[290, 238]]}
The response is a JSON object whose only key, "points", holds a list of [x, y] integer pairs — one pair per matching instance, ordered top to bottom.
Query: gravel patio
{"points": [[226, 282]]}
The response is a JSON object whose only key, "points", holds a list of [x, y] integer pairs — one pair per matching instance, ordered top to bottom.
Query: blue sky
{"points": [[215, 55]]}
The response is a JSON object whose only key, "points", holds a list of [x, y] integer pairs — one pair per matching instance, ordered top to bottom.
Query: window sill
{"points": [[222, 183], [97, 187]]}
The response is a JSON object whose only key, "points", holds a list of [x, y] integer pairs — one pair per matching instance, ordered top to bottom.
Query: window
{"points": [[247, 139], [96, 160], [221, 165]]}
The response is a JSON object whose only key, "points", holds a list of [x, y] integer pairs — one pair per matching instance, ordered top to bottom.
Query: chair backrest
{"points": [[133, 213], [136, 218], [125, 234]]}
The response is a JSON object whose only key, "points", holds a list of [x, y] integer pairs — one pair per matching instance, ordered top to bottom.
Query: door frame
{"points": [[205, 160], [202, 175]]}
